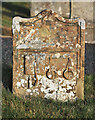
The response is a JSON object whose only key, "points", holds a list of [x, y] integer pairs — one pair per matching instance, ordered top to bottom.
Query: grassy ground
{"points": [[10, 10], [36, 107]]}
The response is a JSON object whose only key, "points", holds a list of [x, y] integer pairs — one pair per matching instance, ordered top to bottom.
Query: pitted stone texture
{"points": [[78, 9], [48, 56]]}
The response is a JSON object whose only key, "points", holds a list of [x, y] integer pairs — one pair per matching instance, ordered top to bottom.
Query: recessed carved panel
{"points": [[48, 56]]}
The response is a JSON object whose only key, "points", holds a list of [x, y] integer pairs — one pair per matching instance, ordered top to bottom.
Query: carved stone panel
{"points": [[48, 56]]}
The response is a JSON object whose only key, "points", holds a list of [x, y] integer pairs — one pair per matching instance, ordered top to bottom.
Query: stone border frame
{"points": [[80, 41]]}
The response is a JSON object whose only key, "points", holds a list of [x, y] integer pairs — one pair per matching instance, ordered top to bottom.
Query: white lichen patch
{"points": [[81, 23], [15, 24], [30, 34], [58, 44], [22, 46], [78, 46], [71, 48], [57, 55], [28, 57], [21, 66], [46, 68], [59, 72], [22, 81], [18, 84], [30, 84], [52, 86], [56, 86], [69, 87], [55, 89], [28, 90], [35, 90], [31, 93], [71, 94], [53, 95]]}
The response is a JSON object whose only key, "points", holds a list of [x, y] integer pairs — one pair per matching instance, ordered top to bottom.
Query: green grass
{"points": [[11, 9], [7, 76], [37, 107]]}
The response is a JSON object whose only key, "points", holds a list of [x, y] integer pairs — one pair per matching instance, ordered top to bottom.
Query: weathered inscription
{"points": [[48, 56]]}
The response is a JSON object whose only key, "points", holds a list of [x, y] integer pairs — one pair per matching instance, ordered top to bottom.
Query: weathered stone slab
{"points": [[48, 56]]}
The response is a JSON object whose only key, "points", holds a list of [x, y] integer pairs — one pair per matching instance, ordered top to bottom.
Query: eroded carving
{"points": [[48, 56]]}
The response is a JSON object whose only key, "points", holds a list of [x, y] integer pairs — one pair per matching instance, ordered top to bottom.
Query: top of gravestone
{"points": [[51, 33]]}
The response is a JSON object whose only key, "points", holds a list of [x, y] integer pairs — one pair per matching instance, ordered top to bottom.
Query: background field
{"points": [[11, 9]]}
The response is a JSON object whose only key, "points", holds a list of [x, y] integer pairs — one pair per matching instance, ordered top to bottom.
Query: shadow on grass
{"points": [[16, 8], [13, 14], [89, 59], [7, 76], [37, 107]]}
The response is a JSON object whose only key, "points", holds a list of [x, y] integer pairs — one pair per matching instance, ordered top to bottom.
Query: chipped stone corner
{"points": [[81, 23], [15, 24]]}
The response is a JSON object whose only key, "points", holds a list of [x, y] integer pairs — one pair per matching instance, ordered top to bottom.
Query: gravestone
{"points": [[48, 56]]}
